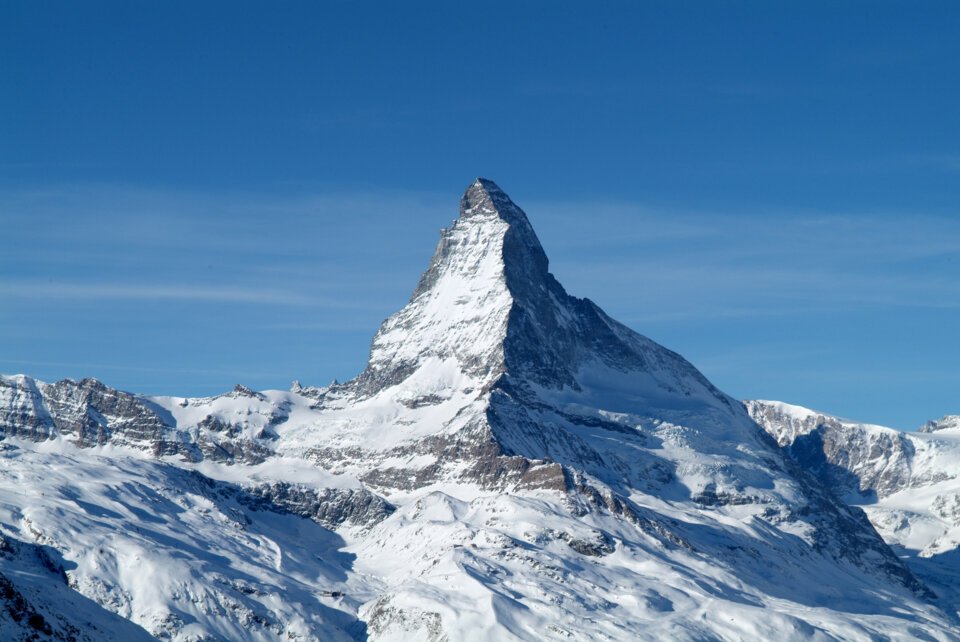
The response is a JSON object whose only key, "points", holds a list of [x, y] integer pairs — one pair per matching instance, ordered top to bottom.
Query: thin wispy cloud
{"points": [[942, 162], [108, 214], [122, 243], [344, 251], [657, 266], [162, 292], [233, 372]]}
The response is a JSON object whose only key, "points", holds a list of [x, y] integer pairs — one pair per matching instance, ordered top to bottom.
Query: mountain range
{"points": [[512, 464]]}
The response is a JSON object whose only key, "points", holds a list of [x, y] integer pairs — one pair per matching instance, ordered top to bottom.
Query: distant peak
{"points": [[484, 201], [241, 390], [948, 422]]}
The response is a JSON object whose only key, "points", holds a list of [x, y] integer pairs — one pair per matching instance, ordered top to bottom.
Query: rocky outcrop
{"points": [[537, 388], [88, 413], [947, 422], [849, 457], [329, 507]]}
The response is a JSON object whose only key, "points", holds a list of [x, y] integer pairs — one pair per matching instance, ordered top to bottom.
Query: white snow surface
{"points": [[147, 540]]}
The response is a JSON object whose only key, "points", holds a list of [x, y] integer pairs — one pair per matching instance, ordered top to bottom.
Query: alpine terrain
{"points": [[512, 464], [907, 482]]}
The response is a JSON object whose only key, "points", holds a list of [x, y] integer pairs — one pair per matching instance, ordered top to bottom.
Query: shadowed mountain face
{"points": [[511, 463]]}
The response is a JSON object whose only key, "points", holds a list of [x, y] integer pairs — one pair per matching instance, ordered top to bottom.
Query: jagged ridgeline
{"points": [[512, 464]]}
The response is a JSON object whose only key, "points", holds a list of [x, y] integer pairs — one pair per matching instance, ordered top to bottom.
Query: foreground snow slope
{"points": [[512, 464], [907, 482], [187, 557], [36, 601]]}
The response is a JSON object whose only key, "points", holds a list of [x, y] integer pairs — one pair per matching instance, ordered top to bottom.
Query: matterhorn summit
{"points": [[502, 359], [511, 464]]}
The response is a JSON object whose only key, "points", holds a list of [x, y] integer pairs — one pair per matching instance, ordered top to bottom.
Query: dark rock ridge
{"points": [[547, 334], [522, 335], [86, 412], [89, 413], [906, 480], [329, 507]]}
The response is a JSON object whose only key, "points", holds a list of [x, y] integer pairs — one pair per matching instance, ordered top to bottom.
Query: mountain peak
{"points": [[476, 194], [483, 197], [484, 202], [491, 230], [488, 306], [460, 307], [947, 422]]}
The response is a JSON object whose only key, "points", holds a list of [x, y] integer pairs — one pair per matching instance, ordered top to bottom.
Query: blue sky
{"points": [[198, 194]]}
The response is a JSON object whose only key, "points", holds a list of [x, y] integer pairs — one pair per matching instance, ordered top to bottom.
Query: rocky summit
{"points": [[512, 464]]}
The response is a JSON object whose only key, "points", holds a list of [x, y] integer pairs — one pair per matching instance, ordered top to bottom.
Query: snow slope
{"points": [[36, 601]]}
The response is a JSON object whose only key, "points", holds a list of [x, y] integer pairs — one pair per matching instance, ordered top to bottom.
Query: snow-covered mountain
{"points": [[512, 464], [908, 483]]}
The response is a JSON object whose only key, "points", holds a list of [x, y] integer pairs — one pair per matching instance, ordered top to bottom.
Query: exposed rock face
{"points": [[461, 305], [508, 364], [524, 382], [22, 413], [88, 413], [848, 457], [872, 461], [907, 483], [329, 507]]}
